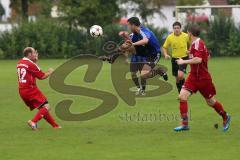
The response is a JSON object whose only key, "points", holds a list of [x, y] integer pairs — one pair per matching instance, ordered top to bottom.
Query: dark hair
{"points": [[134, 20], [177, 24], [195, 30], [26, 51]]}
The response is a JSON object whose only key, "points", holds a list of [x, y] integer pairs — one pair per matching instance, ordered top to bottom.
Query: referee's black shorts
{"points": [[176, 67]]}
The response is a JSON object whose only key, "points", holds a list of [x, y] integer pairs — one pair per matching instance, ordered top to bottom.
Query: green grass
{"points": [[110, 137]]}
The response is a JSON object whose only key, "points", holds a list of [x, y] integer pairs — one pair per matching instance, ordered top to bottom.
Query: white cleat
{"points": [[138, 92], [143, 92]]}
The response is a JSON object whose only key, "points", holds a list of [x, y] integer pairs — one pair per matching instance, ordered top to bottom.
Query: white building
{"points": [[6, 4], [168, 9]]}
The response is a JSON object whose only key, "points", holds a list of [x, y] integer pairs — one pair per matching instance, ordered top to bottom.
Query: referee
{"points": [[177, 42]]}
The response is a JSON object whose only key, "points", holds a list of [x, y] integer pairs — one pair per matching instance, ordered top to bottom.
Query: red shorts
{"points": [[204, 86], [33, 97]]}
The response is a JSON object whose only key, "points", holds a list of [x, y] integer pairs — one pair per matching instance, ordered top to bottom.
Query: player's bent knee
{"points": [[145, 75], [184, 94], [182, 97], [211, 101], [47, 106]]}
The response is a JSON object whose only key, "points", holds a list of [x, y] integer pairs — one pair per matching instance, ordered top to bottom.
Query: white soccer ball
{"points": [[96, 31]]}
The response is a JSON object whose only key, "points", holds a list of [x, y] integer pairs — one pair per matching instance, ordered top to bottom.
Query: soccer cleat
{"points": [[103, 58], [106, 58], [111, 59], [165, 76], [138, 92], [143, 92], [226, 123], [32, 125], [57, 127], [181, 128]]}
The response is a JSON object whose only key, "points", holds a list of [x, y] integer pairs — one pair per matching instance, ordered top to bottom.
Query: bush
{"points": [[218, 35], [222, 37], [50, 39], [55, 40], [233, 47]]}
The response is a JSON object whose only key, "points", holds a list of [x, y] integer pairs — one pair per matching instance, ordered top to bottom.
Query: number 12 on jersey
{"points": [[21, 75]]}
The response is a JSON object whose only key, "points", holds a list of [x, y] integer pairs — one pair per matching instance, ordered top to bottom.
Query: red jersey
{"points": [[28, 71], [199, 71]]}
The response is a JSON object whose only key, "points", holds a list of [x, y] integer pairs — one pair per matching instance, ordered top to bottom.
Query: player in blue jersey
{"points": [[147, 54]]}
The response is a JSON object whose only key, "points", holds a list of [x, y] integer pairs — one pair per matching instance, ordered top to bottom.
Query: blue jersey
{"points": [[152, 48]]}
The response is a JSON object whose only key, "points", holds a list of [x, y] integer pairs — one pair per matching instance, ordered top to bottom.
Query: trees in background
{"points": [[233, 2], [24, 4], [144, 8], [22, 9], [86, 13]]}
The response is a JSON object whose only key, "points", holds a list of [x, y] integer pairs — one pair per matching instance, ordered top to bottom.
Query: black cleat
{"points": [[103, 58], [111, 59], [165, 76]]}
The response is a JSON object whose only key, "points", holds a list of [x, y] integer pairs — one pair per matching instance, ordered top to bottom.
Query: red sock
{"points": [[219, 109], [184, 112], [40, 114], [50, 119]]}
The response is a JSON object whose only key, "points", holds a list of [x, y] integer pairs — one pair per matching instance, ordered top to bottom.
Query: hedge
{"points": [[53, 39]]}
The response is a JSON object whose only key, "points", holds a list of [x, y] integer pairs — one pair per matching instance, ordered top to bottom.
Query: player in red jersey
{"points": [[28, 71], [199, 79]]}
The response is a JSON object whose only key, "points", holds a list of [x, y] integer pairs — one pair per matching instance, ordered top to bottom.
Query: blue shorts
{"points": [[137, 62]]}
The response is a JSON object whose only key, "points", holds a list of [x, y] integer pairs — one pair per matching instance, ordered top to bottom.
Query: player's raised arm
{"points": [[40, 74], [47, 74]]}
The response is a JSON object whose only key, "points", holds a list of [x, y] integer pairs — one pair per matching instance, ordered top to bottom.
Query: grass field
{"points": [[112, 137]]}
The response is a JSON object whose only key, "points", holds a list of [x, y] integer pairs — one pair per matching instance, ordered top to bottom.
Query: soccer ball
{"points": [[96, 31]]}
